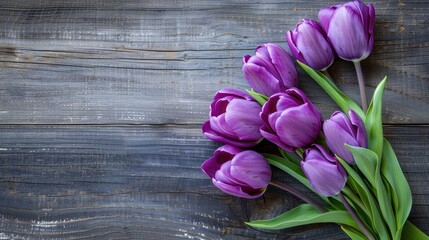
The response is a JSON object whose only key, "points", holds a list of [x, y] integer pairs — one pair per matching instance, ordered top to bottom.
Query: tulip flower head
{"points": [[350, 29], [309, 45], [270, 70], [234, 119], [290, 120], [340, 130], [239, 173], [325, 173]]}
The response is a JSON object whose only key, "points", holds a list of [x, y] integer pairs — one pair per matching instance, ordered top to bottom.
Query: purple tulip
{"points": [[350, 29], [308, 44], [270, 70], [234, 119], [290, 120], [340, 130], [239, 173], [325, 173]]}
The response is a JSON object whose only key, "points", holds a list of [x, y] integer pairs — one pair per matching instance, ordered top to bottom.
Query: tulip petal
{"points": [[371, 13], [325, 16], [350, 29], [347, 35], [291, 38], [315, 49], [246, 58], [263, 59], [284, 65], [261, 80], [230, 93], [297, 94], [287, 101], [218, 107], [269, 107], [243, 118], [272, 119], [341, 119], [219, 126], [299, 126], [359, 130], [266, 133], [212, 135], [336, 137], [227, 152], [310, 152], [222, 155], [210, 166], [251, 168], [224, 175], [324, 176], [237, 190]]}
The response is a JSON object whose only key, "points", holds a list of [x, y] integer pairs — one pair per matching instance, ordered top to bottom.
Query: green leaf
{"points": [[260, 98], [344, 102], [373, 120], [289, 156], [366, 160], [368, 163], [289, 167], [354, 187], [401, 193], [334, 202], [357, 203], [303, 215], [377, 221], [412, 232], [353, 233]]}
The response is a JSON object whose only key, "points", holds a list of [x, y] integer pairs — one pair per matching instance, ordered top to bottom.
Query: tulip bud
{"points": [[350, 29], [308, 45], [270, 70], [234, 119], [290, 120], [340, 130], [239, 173], [325, 173]]}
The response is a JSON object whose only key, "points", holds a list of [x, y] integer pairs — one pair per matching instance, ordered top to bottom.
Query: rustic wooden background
{"points": [[101, 104]]}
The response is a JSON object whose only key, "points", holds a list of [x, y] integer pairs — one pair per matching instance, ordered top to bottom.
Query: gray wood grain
{"points": [[84, 62], [75, 75], [144, 182]]}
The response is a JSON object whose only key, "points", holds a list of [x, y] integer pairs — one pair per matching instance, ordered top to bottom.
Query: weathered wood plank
{"points": [[71, 62], [144, 182]]}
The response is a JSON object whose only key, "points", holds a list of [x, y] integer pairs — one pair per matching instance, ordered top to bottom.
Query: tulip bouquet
{"points": [[344, 160]]}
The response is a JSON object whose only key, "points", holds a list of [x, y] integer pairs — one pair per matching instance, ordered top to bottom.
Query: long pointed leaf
{"points": [[260, 98], [344, 102], [373, 121], [366, 160], [368, 163], [289, 167], [296, 172], [401, 193], [357, 203], [303, 215], [377, 220], [412, 232], [353, 233]]}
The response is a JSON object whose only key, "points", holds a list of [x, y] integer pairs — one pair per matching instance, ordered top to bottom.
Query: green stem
{"points": [[361, 81], [289, 157], [297, 194], [352, 196], [355, 217]]}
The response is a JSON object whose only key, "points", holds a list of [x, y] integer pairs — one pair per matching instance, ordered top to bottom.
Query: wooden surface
{"points": [[101, 104]]}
